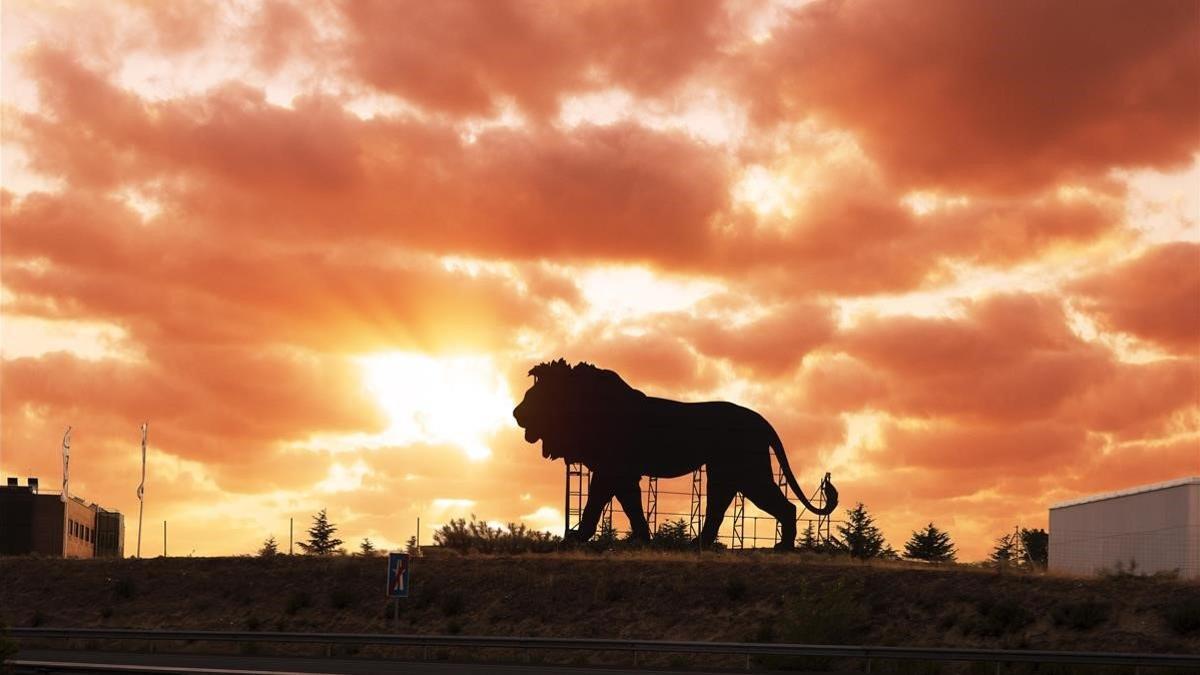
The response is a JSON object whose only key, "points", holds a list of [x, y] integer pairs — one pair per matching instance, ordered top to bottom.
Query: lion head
{"points": [[569, 407]]}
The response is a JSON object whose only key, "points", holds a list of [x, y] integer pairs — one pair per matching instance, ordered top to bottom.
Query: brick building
{"points": [[33, 522]]}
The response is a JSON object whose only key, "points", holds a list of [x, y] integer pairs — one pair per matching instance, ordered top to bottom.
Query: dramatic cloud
{"points": [[992, 97], [319, 246], [1155, 297]]}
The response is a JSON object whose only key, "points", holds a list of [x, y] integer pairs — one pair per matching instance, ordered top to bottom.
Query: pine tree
{"points": [[673, 535], [320, 536], [606, 536], [860, 538], [808, 540], [930, 544], [411, 546], [1037, 546], [269, 548], [366, 549], [1005, 551]]}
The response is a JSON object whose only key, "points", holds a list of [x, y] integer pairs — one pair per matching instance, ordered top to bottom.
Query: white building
{"points": [[1155, 526]]}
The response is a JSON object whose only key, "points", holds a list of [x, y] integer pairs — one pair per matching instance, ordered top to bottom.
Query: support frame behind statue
{"points": [[586, 414]]}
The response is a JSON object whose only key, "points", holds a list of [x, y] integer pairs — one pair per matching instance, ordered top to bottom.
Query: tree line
{"points": [[857, 537]]}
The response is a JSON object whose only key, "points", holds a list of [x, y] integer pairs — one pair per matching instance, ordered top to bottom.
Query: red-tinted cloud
{"points": [[465, 59], [993, 97], [247, 233], [1156, 297]]}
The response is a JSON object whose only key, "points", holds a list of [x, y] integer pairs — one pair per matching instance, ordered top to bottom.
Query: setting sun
{"points": [[457, 400]]}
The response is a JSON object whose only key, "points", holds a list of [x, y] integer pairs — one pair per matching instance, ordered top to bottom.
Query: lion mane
{"points": [[587, 414]]}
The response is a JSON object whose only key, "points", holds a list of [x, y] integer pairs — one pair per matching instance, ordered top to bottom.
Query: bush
{"points": [[478, 536], [673, 536], [124, 588], [735, 589], [340, 597], [297, 600], [452, 603], [827, 613], [1083, 615], [1001, 617], [1183, 617], [8, 648]]}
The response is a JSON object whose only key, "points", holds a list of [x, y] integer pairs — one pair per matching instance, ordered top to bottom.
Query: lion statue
{"points": [[585, 414]]}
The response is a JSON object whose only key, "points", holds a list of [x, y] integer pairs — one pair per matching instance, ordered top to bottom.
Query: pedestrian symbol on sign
{"points": [[397, 578]]}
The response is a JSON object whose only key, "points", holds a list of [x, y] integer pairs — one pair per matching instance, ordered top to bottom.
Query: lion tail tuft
{"points": [[829, 492]]}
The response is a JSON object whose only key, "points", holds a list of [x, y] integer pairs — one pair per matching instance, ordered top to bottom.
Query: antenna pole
{"points": [[66, 455], [141, 491]]}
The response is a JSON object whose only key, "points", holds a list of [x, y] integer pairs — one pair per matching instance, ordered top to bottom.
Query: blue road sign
{"points": [[397, 578]]}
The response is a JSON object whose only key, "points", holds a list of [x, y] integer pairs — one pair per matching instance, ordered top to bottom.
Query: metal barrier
{"points": [[747, 649]]}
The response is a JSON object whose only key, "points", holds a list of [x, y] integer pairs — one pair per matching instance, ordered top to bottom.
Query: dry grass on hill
{"points": [[729, 597]]}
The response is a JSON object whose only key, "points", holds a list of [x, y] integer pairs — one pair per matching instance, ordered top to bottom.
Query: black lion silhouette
{"points": [[586, 414]]}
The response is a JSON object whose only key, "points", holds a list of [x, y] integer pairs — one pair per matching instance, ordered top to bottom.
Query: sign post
{"points": [[398, 570]]}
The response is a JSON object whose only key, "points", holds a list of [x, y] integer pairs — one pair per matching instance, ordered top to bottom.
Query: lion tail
{"points": [[827, 488]]}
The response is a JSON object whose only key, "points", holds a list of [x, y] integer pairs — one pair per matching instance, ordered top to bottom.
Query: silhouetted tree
{"points": [[672, 534], [320, 536], [606, 536], [860, 538], [808, 540], [930, 544], [410, 546], [1037, 547], [269, 548], [366, 549], [1005, 551]]}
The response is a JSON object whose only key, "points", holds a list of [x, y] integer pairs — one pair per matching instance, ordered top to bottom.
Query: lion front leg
{"points": [[600, 493], [629, 493]]}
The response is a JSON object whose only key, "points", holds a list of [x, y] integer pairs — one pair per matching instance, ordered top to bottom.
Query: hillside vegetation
{"points": [[733, 597]]}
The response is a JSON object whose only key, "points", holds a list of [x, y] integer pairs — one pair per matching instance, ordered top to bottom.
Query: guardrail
{"points": [[747, 649]]}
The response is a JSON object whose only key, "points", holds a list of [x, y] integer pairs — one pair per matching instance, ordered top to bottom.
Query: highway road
{"points": [[278, 665]]}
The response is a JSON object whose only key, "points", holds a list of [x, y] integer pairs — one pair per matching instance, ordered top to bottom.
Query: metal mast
{"points": [[141, 491]]}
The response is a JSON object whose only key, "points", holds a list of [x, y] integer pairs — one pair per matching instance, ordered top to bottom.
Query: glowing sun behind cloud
{"points": [[455, 400]]}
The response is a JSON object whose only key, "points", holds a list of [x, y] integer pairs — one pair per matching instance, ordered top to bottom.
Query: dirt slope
{"points": [[759, 597]]}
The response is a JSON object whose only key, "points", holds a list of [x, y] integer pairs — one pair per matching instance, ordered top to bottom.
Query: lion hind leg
{"points": [[720, 495], [767, 496]]}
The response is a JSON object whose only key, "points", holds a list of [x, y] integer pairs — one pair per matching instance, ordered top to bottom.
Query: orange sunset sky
{"points": [[950, 249]]}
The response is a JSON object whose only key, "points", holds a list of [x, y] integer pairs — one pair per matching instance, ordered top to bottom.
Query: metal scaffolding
{"points": [[578, 481], [652, 503], [696, 520], [738, 539]]}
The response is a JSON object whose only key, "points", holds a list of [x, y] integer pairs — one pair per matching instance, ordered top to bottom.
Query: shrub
{"points": [[476, 535], [673, 536], [124, 588], [735, 589], [340, 597], [297, 600], [452, 603], [825, 613], [1083, 615], [1000, 617], [1183, 617], [253, 624], [8, 648]]}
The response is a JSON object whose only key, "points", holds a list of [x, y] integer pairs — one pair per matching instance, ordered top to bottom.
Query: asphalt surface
{"points": [[278, 665]]}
